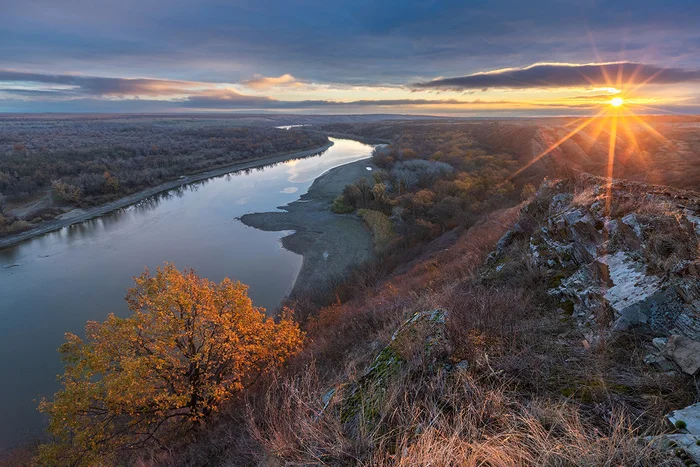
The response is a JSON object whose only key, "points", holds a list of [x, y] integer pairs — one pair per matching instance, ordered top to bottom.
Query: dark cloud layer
{"points": [[359, 41], [280, 44], [558, 75], [99, 86], [91, 87]]}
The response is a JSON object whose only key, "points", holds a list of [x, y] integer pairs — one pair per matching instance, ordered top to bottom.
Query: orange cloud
{"points": [[268, 82]]}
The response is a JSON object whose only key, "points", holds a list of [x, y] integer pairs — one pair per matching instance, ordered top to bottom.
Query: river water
{"points": [[56, 282]]}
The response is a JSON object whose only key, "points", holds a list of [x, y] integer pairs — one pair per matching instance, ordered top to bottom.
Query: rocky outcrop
{"points": [[615, 256], [423, 337]]}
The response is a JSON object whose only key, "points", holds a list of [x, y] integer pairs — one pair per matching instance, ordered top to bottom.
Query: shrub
{"points": [[66, 191], [339, 206], [380, 224], [18, 226]]}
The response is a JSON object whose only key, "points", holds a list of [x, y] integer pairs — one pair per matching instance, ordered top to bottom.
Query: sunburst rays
{"points": [[620, 119]]}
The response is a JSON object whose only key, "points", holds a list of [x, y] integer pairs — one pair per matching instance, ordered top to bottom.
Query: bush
{"points": [[66, 191], [339, 206], [380, 224], [17, 226]]}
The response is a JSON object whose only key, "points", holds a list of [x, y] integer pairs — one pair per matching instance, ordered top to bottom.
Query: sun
{"points": [[612, 115]]}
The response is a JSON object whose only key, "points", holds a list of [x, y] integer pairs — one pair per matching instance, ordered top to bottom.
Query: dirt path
{"points": [[80, 215], [330, 243]]}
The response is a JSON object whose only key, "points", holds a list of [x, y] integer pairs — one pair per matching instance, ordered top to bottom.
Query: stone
{"points": [[560, 202], [694, 218], [632, 222], [608, 271], [630, 282], [423, 337], [660, 343], [685, 352], [660, 363], [462, 366], [690, 415], [685, 442]]}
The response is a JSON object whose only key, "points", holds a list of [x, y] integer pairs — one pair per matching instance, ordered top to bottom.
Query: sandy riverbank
{"points": [[80, 215], [330, 243]]}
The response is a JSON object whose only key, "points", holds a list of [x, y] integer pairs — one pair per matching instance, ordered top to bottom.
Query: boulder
{"points": [[560, 202], [659, 343], [685, 352], [660, 363], [683, 446]]}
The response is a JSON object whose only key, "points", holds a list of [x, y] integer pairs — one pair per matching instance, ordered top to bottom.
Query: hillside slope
{"points": [[574, 343]]}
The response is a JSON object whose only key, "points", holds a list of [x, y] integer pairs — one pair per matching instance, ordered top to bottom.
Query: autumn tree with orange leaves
{"points": [[134, 382]]}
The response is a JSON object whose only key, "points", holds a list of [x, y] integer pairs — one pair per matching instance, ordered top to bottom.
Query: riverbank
{"points": [[80, 215], [330, 243]]}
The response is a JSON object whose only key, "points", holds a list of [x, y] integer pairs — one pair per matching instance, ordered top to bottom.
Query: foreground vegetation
{"points": [[504, 382]]}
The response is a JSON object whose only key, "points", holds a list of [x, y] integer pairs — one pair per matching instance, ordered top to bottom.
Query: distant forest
{"points": [[92, 161]]}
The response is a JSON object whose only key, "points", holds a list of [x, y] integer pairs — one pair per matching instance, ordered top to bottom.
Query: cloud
{"points": [[351, 42], [562, 75], [263, 82], [101, 86], [173, 93], [226, 99], [233, 100], [409, 102]]}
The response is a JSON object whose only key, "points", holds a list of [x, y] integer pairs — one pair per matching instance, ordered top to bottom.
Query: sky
{"points": [[462, 58]]}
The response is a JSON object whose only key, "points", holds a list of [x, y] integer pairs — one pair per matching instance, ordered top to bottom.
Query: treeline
{"points": [[89, 161], [434, 177]]}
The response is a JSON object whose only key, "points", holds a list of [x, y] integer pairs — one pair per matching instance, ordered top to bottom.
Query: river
{"points": [[54, 283]]}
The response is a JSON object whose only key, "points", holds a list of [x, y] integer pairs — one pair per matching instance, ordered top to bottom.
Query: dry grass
{"points": [[584, 196], [382, 228], [671, 240], [519, 403], [445, 419], [291, 425]]}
